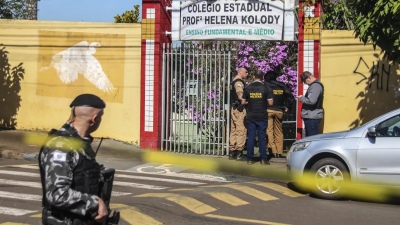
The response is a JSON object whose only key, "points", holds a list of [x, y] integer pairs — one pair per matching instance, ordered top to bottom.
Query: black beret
{"points": [[88, 100]]}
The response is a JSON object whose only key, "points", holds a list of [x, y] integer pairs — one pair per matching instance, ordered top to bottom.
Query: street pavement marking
{"points": [[26, 166], [17, 173], [193, 176], [158, 179], [21, 183], [39, 185], [136, 185], [276, 187], [247, 190], [253, 192], [117, 193], [13, 195], [227, 198], [187, 202], [14, 212], [39, 215], [132, 215], [243, 220], [10, 223]]}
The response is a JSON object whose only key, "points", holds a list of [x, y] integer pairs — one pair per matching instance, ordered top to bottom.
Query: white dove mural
{"points": [[79, 59]]}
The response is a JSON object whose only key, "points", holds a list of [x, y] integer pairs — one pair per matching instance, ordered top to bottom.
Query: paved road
{"points": [[148, 190], [145, 194], [156, 194]]}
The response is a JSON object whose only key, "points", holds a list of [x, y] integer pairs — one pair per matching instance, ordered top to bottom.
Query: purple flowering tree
{"points": [[280, 57]]}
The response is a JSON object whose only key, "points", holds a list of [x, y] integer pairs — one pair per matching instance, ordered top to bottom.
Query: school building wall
{"points": [[50, 78], [359, 85]]}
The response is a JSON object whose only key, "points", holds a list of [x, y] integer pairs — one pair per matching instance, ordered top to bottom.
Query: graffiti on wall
{"points": [[79, 59], [71, 63], [378, 71], [10, 86]]}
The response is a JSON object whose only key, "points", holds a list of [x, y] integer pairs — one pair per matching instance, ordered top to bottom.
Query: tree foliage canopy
{"points": [[14, 9], [5, 10], [338, 15], [130, 16], [378, 22]]}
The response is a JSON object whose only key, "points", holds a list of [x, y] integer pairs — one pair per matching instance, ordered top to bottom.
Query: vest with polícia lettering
{"points": [[281, 95], [256, 96]]}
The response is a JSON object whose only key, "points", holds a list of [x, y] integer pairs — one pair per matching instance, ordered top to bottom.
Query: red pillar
{"points": [[156, 21], [309, 48]]}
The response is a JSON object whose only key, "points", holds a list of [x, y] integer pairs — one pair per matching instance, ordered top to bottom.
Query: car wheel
{"points": [[329, 177]]}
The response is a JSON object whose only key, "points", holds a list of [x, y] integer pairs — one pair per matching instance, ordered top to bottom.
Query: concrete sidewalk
{"points": [[13, 145]]}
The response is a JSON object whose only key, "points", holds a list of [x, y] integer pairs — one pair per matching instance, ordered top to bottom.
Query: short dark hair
{"points": [[259, 74], [270, 75], [305, 75]]}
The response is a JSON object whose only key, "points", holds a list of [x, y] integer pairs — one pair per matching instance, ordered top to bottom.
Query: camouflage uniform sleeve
{"points": [[59, 164]]}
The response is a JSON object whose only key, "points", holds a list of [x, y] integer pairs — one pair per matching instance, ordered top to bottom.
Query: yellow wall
{"points": [[50, 82], [351, 96]]}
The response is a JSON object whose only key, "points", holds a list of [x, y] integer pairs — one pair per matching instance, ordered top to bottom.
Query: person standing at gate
{"points": [[257, 96], [283, 102], [312, 111], [237, 136]]}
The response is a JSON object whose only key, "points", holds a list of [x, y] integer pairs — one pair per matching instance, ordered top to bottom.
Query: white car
{"points": [[369, 153]]}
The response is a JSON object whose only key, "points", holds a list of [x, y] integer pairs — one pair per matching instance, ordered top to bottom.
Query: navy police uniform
{"points": [[257, 95]]}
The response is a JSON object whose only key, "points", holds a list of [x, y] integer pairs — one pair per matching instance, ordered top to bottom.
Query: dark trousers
{"points": [[254, 126], [311, 126]]}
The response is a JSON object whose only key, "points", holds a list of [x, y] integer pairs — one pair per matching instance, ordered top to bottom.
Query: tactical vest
{"points": [[278, 92], [234, 97], [320, 100], [257, 101], [86, 175]]}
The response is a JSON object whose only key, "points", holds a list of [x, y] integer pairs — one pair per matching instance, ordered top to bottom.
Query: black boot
{"points": [[232, 154], [240, 156], [280, 156], [264, 162]]}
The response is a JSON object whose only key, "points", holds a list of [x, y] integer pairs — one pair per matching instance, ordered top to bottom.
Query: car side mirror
{"points": [[372, 131]]}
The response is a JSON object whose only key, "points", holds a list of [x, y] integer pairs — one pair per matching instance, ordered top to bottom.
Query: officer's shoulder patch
{"points": [[239, 85], [60, 156]]}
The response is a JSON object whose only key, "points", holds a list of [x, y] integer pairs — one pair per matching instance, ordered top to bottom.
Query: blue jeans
{"points": [[254, 126], [311, 126]]}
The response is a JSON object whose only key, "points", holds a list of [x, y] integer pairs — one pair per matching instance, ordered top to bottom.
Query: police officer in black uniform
{"points": [[257, 96], [283, 102], [70, 175]]}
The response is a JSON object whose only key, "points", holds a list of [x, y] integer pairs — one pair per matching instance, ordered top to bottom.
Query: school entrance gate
{"points": [[195, 100]]}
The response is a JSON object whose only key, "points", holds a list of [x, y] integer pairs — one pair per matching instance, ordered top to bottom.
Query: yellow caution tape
{"points": [[64, 143], [307, 182]]}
